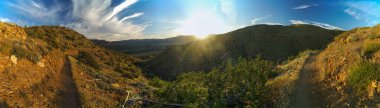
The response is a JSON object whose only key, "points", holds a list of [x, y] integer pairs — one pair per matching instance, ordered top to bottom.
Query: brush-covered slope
{"points": [[275, 43], [145, 46], [48, 66], [350, 69]]}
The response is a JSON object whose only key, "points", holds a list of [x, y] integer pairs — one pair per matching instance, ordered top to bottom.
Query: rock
{"points": [[14, 59], [41, 64]]}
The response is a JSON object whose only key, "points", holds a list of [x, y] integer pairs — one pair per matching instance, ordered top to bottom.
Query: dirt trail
{"points": [[303, 93], [69, 96]]}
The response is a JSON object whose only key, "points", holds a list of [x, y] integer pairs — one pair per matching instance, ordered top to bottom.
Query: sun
{"points": [[202, 23]]}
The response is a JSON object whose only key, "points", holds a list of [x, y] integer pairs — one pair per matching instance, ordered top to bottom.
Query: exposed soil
{"points": [[69, 96], [303, 96]]}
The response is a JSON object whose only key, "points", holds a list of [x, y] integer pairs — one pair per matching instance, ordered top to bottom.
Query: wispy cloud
{"points": [[304, 6], [228, 8], [35, 9], [368, 11], [96, 19], [5, 20], [254, 21], [323, 25]]}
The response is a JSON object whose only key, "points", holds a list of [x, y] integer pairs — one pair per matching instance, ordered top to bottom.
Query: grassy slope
{"points": [[275, 43], [334, 63], [29, 84]]}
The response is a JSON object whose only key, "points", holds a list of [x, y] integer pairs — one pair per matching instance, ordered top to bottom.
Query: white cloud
{"points": [[305, 6], [228, 8], [36, 9], [368, 11], [353, 13], [5, 20], [97, 20], [254, 21], [269, 23], [323, 25]]}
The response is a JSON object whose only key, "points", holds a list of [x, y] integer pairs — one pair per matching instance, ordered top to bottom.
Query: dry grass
{"points": [[282, 86]]}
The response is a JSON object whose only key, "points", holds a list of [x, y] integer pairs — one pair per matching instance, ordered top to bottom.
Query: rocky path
{"points": [[69, 96], [302, 96]]}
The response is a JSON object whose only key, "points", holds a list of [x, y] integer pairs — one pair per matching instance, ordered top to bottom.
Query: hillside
{"points": [[276, 43], [144, 46], [51, 66], [349, 69]]}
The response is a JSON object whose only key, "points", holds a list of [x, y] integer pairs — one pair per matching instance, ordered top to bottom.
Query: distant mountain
{"points": [[272, 42], [143, 46]]}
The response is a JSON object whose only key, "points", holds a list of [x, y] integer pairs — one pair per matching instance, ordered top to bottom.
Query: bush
{"points": [[373, 36], [371, 48], [20, 52], [89, 59], [361, 75], [238, 84]]}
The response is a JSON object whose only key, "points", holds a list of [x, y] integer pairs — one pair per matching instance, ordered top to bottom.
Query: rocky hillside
{"points": [[276, 43], [49, 66], [350, 69]]}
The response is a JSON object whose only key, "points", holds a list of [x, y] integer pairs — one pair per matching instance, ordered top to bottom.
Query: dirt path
{"points": [[303, 95], [69, 96]]}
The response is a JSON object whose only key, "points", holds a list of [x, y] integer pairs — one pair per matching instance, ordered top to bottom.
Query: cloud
{"points": [[304, 6], [228, 8], [35, 9], [368, 11], [353, 13], [5, 20], [97, 20], [254, 21], [269, 23], [323, 25]]}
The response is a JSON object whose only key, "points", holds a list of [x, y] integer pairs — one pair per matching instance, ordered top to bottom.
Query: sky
{"points": [[115, 20]]}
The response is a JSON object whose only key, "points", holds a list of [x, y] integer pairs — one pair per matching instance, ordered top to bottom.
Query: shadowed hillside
{"points": [[276, 43], [145, 46], [49, 66]]}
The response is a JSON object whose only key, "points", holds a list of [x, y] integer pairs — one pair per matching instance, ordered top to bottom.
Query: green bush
{"points": [[373, 36], [371, 48], [19, 51], [22, 53], [89, 59], [361, 75], [239, 84]]}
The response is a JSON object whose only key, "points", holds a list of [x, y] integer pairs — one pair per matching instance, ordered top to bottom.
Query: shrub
{"points": [[373, 36], [5, 47], [371, 48], [19, 51], [89, 59], [361, 75], [240, 84]]}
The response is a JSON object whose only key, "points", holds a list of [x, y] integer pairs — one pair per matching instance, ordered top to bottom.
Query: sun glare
{"points": [[202, 23]]}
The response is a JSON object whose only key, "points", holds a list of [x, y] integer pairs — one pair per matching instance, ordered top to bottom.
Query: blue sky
{"points": [[131, 19]]}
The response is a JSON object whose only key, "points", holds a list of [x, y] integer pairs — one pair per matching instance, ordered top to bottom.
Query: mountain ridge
{"points": [[272, 42]]}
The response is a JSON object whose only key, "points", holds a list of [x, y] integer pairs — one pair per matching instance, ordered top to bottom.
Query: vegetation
{"points": [[373, 36], [276, 43], [371, 48], [88, 59], [361, 75], [240, 84]]}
